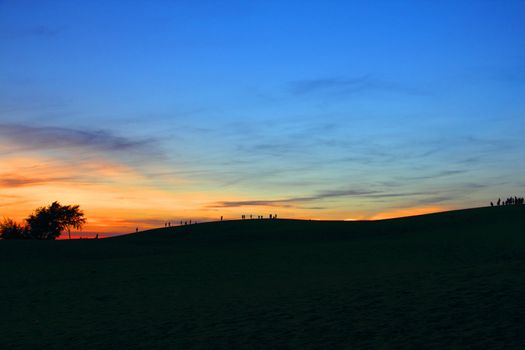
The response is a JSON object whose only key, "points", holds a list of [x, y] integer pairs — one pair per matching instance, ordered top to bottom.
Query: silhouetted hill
{"points": [[485, 218], [439, 281]]}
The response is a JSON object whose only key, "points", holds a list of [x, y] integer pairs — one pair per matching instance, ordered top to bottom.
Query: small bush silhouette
{"points": [[9, 229]]}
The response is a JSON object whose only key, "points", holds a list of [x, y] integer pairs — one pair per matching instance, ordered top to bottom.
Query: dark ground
{"points": [[454, 280]]}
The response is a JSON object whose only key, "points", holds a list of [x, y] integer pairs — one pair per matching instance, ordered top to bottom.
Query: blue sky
{"points": [[336, 109]]}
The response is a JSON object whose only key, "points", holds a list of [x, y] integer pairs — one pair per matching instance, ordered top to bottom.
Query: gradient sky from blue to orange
{"points": [[145, 111]]}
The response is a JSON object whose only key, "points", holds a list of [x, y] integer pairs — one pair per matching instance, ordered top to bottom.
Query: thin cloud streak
{"points": [[43, 31], [346, 85], [301, 87], [25, 137], [436, 175], [13, 180], [289, 202]]}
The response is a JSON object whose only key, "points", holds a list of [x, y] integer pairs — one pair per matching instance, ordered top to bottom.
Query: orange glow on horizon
{"points": [[118, 199], [398, 213]]}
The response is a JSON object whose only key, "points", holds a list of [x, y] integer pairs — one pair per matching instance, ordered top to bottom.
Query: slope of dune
{"points": [[447, 280]]}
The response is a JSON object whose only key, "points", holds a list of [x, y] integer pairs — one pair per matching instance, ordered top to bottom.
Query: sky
{"points": [[144, 112]]}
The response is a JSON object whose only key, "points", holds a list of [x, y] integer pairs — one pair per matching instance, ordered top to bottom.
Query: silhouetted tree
{"points": [[49, 222], [9, 229]]}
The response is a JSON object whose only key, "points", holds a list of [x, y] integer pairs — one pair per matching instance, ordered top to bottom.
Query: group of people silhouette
{"points": [[509, 201], [271, 216], [243, 217], [189, 222], [182, 223]]}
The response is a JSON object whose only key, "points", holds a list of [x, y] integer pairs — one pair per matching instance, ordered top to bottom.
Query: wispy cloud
{"points": [[41, 30], [513, 74], [347, 85], [301, 87], [23, 137], [435, 175], [13, 180], [436, 199], [7, 200], [289, 201], [296, 201]]}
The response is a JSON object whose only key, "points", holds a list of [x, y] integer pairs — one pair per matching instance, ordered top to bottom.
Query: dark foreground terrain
{"points": [[454, 280]]}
